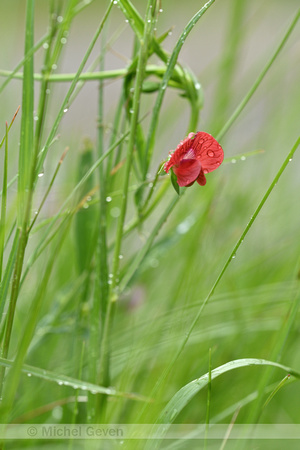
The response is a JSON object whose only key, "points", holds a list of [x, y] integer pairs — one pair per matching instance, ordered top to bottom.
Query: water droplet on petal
{"points": [[210, 153]]}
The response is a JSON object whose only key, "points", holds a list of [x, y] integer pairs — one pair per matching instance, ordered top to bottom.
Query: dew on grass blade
{"points": [[60, 19], [63, 40], [233, 160], [108, 199], [115, 212]]}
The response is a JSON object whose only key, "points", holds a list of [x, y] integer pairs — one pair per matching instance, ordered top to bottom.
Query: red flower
{"points": [[197, 155]]}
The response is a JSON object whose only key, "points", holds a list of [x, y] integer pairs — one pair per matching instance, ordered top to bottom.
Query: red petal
{"points": [[182, 151], [208, 151], [187, 172], [201, 179]]}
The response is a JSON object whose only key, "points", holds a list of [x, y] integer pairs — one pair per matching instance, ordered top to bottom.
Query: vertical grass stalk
{"points": [[113, 292]]}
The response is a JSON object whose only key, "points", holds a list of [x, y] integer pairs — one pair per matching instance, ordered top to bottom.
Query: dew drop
{"points": [[115, 2], [160, 10], [60, 19], [126, 20], [149, 20], [170, 33], [63, 40], [45, 45], [54, 66], [197, 86], [47, 91], [66, 110], [131, 111], [36, 118], [210, 153], [243, 158], [291, 159], [233, 160], [41, 174], [108, 199], [85, 205], [115, 212], [121, 256], [233, 256], [109, 282], [29, 374], [60, 383]]}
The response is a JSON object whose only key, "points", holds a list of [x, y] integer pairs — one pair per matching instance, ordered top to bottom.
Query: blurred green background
{"points": [[227, 50]]}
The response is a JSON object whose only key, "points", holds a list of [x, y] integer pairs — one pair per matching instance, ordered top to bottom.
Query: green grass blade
{"points": [[172, 62], [259, 79], [65, 104], [27, 123], [25, 170], [3, 203], [131, 270], [223, 270], [5, 283], [74, 383], [186, 393]]}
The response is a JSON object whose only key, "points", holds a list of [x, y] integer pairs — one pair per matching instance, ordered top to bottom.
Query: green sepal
{"points": [[174, 182]]}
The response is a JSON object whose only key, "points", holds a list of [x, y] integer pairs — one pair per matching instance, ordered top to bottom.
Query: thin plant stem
{"points": [[171, 65], [259, 79], [223, 270], [113, 295]]}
